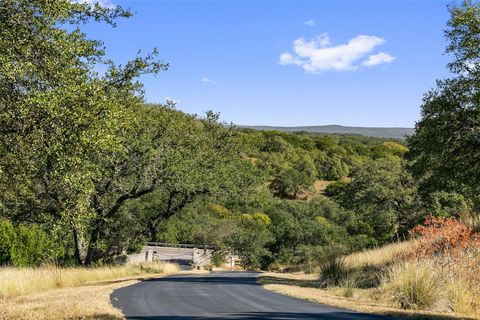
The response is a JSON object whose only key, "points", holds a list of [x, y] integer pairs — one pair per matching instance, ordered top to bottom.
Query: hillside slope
{"points": [[381, 132]]}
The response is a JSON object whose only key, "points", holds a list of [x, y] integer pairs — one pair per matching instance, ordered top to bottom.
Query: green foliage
{"points": [[462, 34], [57, 115], [61, 122], [275, 144], [444, 151], [82, 155], [173, 160], [295, 160], [331, 168], [289, 183], [335, 188], [383, 194], [446, 204], [298, 228], [7, 238], [249, 241], [22, 245]]}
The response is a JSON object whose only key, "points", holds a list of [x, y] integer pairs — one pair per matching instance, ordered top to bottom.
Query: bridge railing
{"points": [[179, 245]]}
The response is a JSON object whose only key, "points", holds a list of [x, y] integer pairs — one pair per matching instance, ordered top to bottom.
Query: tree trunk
{"points": [[94, 237], [79, 244]]}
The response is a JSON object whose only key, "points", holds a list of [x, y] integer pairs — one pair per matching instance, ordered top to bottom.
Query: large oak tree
{"points": [[445, 149]]}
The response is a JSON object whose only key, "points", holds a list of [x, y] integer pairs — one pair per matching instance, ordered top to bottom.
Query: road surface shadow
{"points": [[206, 279], [290, 282], [269, 316], [301, 316]]}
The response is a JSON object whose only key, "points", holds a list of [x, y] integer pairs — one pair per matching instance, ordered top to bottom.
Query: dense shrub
{"points": [[334, 188], [7, 236], [26, 245]]}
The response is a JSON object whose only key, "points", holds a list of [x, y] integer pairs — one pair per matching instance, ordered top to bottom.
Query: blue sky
{"points": [[360, 63]]}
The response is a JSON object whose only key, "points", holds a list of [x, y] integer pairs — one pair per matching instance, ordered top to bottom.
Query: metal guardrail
{"points": [[179, 245]]}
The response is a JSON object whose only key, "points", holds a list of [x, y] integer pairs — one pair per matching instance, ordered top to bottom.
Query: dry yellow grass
{"points": [[321, 185], [318, 189], [380, 256], [20, 281], [414, 285], [453, 291], [69, 293], [330, 297], [90, 302]]}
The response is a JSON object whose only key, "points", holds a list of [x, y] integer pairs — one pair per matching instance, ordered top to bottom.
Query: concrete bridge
{"points": [[183, 254]]}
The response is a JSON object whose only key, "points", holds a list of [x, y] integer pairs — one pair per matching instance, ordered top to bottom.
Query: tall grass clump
{"points": [[444, 266], [333, 267], [333, 271], [20, 281], [413, 285], [463, 295]]}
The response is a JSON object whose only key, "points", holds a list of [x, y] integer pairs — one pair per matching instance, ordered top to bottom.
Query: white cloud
{"points": [[309, 23], [319, 54], [379, 58], [208, 80]]}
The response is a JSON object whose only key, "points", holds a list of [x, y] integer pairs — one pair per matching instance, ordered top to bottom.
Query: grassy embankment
{"points": [[388, 281], [69, 293]]}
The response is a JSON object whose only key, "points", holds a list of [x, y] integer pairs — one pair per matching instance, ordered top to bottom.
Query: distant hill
{"points": [[381, 132]]}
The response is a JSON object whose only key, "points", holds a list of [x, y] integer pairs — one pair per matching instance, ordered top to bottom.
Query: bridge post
{"points": [[149, 255], [194, 256]]}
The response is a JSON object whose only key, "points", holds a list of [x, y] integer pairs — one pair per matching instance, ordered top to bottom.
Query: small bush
{"points": [[443, 237], [218, 258], [413, 285]]}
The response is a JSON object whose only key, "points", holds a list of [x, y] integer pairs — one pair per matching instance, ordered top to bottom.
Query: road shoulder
{"points": [[303, 287], [89, 302]]}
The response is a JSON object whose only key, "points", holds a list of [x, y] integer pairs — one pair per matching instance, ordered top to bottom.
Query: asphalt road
{"points": [[218, 295]]}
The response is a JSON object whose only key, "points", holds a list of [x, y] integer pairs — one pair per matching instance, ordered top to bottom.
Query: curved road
{"points": [[218, 295]]}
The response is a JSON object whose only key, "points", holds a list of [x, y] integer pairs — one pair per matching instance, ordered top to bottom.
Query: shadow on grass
{"points": [[364, 277], [208, 280], [264, 280]]}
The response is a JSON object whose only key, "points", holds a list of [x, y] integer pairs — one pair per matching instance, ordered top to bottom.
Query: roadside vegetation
{"points": [[89, 172], [436, 275], [16, 282], [52, 292]]}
